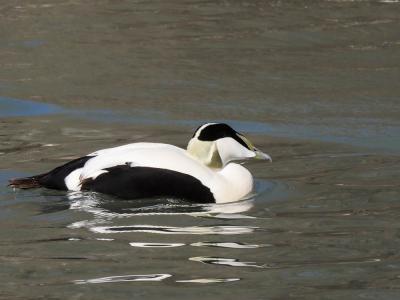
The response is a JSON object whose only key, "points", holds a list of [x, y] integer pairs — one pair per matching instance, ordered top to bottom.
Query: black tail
{"points": [[55, 179], [26, 182]]}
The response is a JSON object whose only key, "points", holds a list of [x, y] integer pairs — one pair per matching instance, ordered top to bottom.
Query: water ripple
{"points": [[95, 204], [176, 230], [156, 245], [232, 245], [232, 262], [124, 278], [209, 280]]}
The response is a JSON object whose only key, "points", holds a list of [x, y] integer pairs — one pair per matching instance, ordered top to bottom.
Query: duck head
{"points": [[216, 144]]}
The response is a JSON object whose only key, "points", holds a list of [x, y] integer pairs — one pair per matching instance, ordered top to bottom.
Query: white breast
{"points": [[233, 183]]}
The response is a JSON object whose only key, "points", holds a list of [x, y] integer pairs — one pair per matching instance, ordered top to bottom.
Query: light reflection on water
{"points": [[93, 203], [104, 207], [104, 210], [197, 230], [156, 245], [232, 245], [232, 262], [151, 277], [125, 278], [209, 280]]}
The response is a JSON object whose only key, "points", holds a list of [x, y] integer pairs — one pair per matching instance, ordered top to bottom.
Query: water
{"points": [[312, 83]]}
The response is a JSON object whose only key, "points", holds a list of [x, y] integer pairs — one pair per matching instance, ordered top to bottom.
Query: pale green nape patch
{"points": [[247, 142], [205, 152], [216, 161]]}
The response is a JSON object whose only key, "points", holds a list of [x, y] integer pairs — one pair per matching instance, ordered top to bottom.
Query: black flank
{"points": [[143, 182]]}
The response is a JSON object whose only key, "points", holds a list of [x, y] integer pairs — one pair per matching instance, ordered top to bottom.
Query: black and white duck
{"points": [[205, 172]]}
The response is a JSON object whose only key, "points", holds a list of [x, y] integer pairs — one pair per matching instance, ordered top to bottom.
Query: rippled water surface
{"points": [[313, 83]]}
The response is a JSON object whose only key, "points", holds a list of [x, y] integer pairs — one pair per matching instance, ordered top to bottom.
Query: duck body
{"points": [[146, 170]]}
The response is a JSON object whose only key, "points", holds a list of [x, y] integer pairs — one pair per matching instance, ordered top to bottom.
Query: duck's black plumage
{"points": [[218, 131], [55, 179], [128, 182]]}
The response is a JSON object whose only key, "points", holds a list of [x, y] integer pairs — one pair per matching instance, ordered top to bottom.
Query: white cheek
{"points": [[229, 150], [246, 153]]}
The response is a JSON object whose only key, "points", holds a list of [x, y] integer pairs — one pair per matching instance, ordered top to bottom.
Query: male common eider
{"points": [[203, 173]]}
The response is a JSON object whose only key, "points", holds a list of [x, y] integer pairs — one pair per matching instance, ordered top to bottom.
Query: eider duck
{"points": [[204, 173]]}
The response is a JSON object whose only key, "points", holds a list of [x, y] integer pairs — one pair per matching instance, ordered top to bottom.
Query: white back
{"points": [[161, 156], [231, 183]]}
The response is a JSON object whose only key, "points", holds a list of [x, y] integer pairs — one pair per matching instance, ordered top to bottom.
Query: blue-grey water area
{"points": [[315, 84]]}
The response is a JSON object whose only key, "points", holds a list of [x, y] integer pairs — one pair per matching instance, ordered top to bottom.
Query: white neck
{"points": [[233, 183]]}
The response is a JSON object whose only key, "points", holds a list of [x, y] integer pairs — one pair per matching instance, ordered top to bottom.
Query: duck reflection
{"points": [[104, 208]]}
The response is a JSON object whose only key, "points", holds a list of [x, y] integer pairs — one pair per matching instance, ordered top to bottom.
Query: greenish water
{"points": [[312, 83]]}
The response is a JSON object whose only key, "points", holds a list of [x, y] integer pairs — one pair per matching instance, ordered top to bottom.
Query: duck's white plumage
{"points": [[207, 162], [228, 184]]}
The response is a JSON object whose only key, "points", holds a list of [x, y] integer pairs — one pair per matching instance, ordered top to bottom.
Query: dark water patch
{"points": [[33, 43], [30, 44], [146, 206], [54, 207], [40, 241], [24, 257], [68, 258]]}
